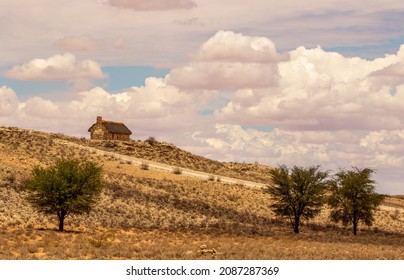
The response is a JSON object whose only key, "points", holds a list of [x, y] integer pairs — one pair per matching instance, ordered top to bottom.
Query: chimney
{"points": [[99, 119]]}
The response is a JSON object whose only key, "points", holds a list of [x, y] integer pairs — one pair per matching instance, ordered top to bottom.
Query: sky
{"points": [[275, 82]]}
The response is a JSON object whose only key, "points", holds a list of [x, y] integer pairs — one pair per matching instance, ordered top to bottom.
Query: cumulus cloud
{"points": [[153, 5], [76, 43], [227, 46], [230, 60], [57, 67], [217, 75], [393, 75], [319, 90], [154, 100], [8, 101], [41, 108]]}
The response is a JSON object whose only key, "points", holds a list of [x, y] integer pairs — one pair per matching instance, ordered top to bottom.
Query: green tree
{"points": [[68, 187], [297, 193], [353, 197]]}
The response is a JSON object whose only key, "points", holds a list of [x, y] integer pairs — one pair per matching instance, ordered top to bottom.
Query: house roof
{"points": [[114, 127]]}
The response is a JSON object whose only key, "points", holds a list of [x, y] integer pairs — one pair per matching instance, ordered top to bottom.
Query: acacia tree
{"points": [[68, 187], [297, 193], [353, 197]]}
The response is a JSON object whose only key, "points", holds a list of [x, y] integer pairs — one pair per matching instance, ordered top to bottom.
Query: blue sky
{"points": [[122, 77], [291, 82]]}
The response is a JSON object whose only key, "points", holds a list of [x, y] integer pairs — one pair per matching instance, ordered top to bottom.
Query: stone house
{"points": [[108, 130]]}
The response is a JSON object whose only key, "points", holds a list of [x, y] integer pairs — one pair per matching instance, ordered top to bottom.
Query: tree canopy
{"points": [[68, 187], [297, 193], [353, 197]]}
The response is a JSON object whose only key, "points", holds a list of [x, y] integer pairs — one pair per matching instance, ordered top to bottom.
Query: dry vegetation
{"points": [[169, 154], [149, 214]]}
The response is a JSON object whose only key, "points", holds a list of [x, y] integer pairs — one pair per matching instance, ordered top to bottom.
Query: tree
{"points": [[151, 141], [68, 187], [297, 193], [353, 197]]}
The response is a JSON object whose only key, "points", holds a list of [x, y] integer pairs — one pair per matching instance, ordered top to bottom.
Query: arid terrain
{"points": [[161, 202]]}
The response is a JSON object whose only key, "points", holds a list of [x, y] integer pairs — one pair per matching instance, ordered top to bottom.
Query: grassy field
{"points": [[150, 214]]}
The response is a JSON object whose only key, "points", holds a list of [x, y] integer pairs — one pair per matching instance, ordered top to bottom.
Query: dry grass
{"points": [[169, 154], [148, 214]]}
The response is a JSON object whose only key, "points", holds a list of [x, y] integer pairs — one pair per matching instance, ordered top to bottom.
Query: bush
{"points": [[151, 141], [110, 144], [144, 166], [177, 170]]}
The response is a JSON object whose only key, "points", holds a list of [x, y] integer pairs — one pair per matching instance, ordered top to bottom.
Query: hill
{"points": [[169, 154], [156, 214]]}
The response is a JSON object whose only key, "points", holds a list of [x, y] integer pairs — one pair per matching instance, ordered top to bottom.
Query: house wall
{"points": [[97, 132], [113, 136]]}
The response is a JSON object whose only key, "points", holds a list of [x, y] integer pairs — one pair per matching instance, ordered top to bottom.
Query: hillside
{"points": [[171, 155], [155, 214]]}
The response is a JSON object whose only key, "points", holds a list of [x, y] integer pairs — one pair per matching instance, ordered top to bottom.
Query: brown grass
{"points": [[149, 214]]}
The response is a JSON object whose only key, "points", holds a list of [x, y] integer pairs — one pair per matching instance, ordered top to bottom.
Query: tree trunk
{"points": [[61, 216], [355, 222], [61, 224], [296, 224], [355, 227]]}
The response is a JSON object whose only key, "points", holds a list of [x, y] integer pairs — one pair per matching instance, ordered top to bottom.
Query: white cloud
{"points": [[227, 46], [230, 60], [57, 67], [218, 75], [319, 90], [154, 100], [8, 101], [41, 108]]}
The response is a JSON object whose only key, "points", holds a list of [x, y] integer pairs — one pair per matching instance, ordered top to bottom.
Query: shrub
{"points": [[151, 141], [110, 144], [144, 166], [177, 170], [102, 240]]}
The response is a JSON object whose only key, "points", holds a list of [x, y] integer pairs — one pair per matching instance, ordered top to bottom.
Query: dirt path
{"points": [[164, 167]]}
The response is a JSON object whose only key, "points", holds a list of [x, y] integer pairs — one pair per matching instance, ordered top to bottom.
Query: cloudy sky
{"points": [[276, 82]]}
